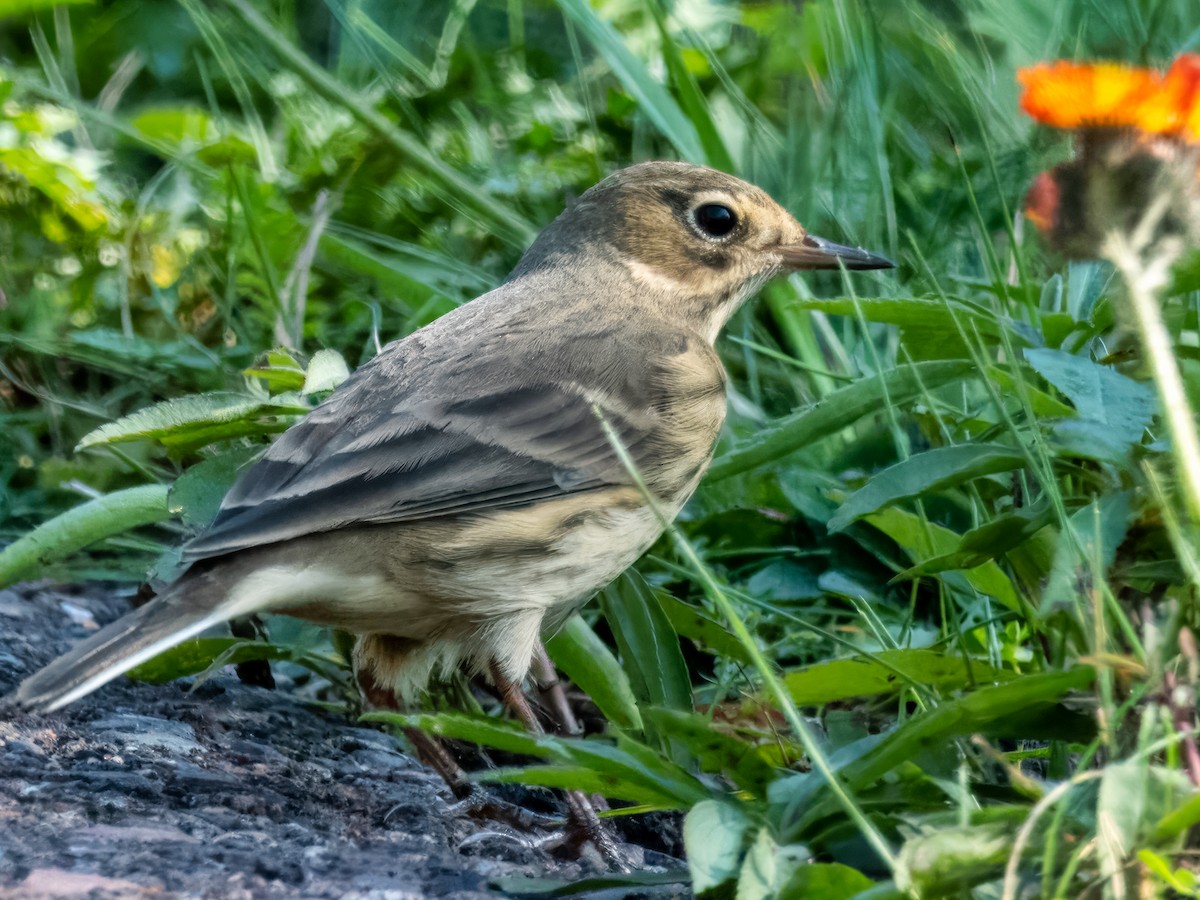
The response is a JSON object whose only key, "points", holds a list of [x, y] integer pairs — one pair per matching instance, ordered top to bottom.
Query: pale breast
{"points": [[691, 386]]}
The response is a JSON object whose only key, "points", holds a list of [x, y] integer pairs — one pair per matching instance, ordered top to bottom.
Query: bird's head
{"points": [[693, 239]]}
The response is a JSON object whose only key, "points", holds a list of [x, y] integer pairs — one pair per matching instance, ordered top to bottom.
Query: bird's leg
{"points": [[545, 676], [551, 687], [430, 750], [433, 753], [581, 812]]}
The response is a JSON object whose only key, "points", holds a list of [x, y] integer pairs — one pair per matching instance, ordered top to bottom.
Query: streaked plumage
{"points": [[458, 494]]}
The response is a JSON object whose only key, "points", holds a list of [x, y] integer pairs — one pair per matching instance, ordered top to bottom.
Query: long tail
{"points": [[174, 616]]}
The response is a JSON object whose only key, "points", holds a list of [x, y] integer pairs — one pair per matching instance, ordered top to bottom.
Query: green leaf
{"points": [[11, 9], [176, 125], [326, 370], [281, 371], [1098, 392], [837, 410], [198, 419], [933, 470], [196, 495], [80, 526], [923, 541], [987, 542], [1085, 558], [693, 623], [649, 646], [201, 654], [588, 662], [886, 672], [484, 730], [717, 751], [641, 773], [581, 778], [803, 800], [1178, 820], [714, 833], [948, 861], [768, 867], [1181, 880], [827, 881]]}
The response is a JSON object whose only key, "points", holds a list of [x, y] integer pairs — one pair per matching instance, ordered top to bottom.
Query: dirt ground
{"points": [[228, 791]]}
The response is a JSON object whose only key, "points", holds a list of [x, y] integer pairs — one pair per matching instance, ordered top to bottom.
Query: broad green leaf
{"points": [[10, 9], [176, 125], [111, 351], [280, 370], [326, 370], [1098, 392], [1042, 403], [837, 410], [198, 419], [1085, 439], [933, 470], [196, 495], [103, 517], [927, 540], [987, 542], [1082, 561], [709, 634], [649, 646], [200, 654], [588, 662], [886, 672], [977, 711], [484, 730], [717, 750], [630, 764], [581, 778], [802, 800], [1121, 808], [1177, 820], [714, 834], [949, 861], [768, 867], [1181, 880], [828, 881]]}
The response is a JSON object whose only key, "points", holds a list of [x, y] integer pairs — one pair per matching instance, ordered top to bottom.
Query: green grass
{"points": [[927, 627]]}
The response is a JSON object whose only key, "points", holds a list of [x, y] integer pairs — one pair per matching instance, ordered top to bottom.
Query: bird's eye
{"points": [[715, 219]]}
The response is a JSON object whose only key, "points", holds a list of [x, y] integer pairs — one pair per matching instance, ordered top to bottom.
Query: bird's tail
{"points": [[170, 618]]}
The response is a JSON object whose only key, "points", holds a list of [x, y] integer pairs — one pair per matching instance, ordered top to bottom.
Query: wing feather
{"points": [[493, 446]]}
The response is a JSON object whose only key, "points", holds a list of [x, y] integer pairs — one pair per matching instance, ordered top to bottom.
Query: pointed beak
{"points": [[817, 253]]}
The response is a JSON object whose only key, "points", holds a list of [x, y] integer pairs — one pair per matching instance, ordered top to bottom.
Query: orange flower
{"points": [[1078, 95], [1081, 95], [1175, 108]]}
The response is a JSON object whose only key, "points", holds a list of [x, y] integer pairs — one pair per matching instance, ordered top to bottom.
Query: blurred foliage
{"points": [[927, 627]]}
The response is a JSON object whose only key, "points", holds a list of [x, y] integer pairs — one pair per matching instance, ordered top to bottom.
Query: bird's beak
{"points": [[817, 253]]}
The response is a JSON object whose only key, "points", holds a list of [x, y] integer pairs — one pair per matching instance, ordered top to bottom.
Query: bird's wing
{"points": [[457, 437]]}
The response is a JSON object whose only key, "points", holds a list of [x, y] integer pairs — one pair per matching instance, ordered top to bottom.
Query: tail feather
{"points": [[131, 640]]}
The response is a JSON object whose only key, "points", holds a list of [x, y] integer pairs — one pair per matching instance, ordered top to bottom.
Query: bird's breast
{"points": [[691, 411]]}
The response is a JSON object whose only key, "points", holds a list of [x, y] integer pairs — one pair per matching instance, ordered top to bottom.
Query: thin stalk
{"points": [[1144, 281], [766, 670]]}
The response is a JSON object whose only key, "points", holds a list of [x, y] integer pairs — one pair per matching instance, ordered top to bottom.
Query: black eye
{"points": [[715, 219]]}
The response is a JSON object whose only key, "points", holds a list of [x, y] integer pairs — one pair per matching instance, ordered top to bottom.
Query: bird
{"points": [[475, 483]]}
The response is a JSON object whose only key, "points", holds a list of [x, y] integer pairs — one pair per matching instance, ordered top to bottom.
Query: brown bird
{"points": [[459, 495]]}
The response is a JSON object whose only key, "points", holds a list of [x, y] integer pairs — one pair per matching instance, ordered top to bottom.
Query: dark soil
{"points": [[228, 791]]}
